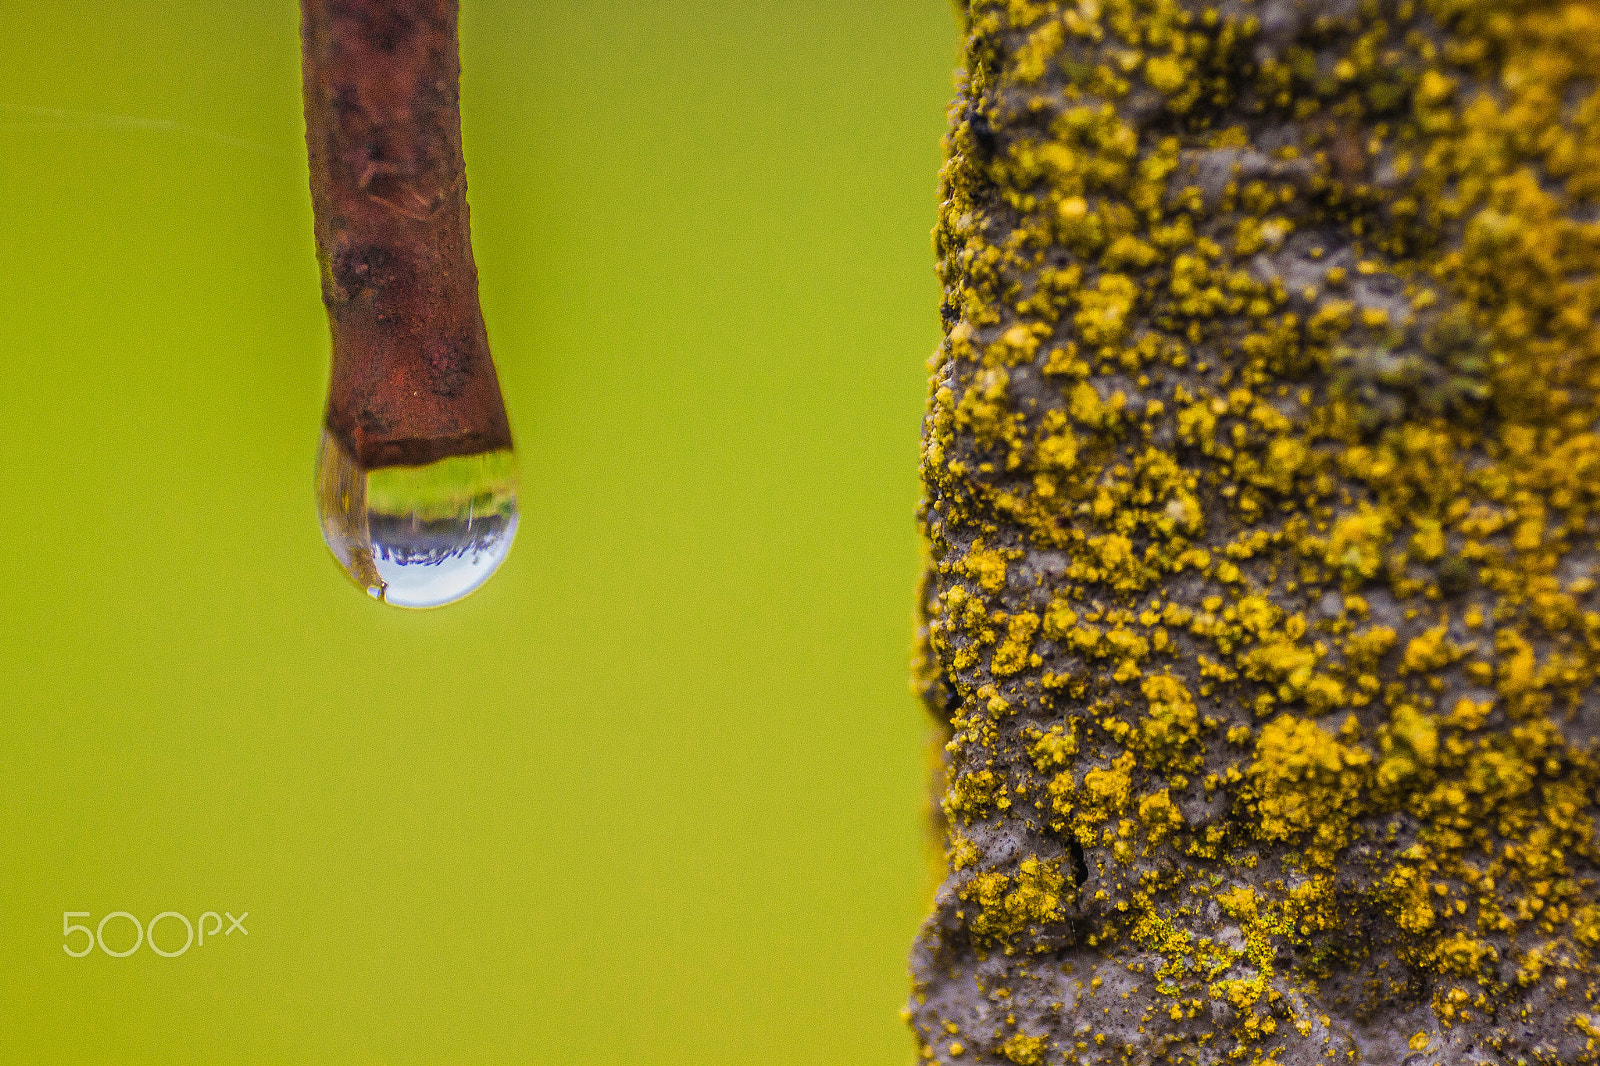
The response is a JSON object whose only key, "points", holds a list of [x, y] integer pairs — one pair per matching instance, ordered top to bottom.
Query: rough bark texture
{"points": [[412, 378], [1262, 483]]}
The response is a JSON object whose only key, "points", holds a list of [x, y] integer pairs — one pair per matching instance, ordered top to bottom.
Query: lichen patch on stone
{"points": [[1262, 467]]}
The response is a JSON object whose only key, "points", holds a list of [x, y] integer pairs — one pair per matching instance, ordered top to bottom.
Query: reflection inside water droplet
{"points": [[418, 536]]}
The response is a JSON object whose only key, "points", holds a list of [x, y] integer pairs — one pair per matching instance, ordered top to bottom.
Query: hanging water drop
{"points": [[418, 536]]}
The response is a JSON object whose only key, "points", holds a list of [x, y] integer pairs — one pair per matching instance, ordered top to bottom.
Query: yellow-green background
{"points": [[653, 794]]}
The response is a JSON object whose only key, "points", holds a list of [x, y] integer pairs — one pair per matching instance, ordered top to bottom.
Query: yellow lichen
{"points": [[1303, 434]]}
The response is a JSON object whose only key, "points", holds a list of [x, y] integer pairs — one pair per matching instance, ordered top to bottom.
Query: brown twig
{"points": [[412, 378]]}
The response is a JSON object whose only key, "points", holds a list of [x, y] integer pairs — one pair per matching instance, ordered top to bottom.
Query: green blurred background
{"points": [[653, 795]]}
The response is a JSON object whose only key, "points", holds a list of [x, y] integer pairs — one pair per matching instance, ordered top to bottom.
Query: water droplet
{"points": [[418, 536]]}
